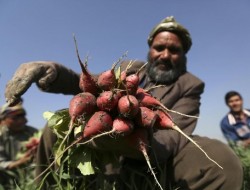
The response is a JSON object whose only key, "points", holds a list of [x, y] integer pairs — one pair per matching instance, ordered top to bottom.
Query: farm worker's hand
{"points": [[41, 72], [128, 146], [25, 159]]}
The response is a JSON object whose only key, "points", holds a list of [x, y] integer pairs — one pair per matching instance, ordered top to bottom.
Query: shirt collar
{"points": [[232, 120]]}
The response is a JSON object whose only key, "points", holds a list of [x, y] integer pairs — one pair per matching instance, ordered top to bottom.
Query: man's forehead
{"points": [[169, 24], [167, 37], [235, 97]]}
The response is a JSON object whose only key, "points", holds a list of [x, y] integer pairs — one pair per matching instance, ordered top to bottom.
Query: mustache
{"points": [[167, 64]]}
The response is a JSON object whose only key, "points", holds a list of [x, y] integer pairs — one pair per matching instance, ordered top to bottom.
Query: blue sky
{"points": [[43, 30]]}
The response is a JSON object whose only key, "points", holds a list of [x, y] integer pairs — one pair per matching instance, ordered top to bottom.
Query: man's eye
{"points": [[159, 48], [174, 49]]}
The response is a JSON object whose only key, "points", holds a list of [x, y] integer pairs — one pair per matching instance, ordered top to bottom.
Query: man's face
{"points": [[166, 57], [235, 104], [16, 123]]}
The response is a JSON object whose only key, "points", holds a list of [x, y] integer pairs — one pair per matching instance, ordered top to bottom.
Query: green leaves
{"points": [[58, 121], [78, 156], [82, 159]]}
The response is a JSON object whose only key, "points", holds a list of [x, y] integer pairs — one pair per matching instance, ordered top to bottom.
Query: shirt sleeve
{"points": [[67, 82], [4, 162]]}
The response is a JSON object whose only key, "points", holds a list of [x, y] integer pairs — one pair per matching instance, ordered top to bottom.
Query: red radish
{"points": [[107, 80], [86, 83], [132, 83], [107, 100], [147, 100], [82, 104], [128, 106], [145, 117], [163, 120], [99, 122], [123, 126], [139, 140]]}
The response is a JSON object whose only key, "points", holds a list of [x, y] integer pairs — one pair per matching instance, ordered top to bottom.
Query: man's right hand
{"points": [[41, 72], [25, 159]]}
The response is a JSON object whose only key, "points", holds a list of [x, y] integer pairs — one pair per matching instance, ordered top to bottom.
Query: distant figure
{"points": [[236, 124], [236, 129], [16, 152]]}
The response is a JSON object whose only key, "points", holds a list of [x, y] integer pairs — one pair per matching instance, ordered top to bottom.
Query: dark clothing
{"points": [[182, 96], [12, 143], [11, 149], [183, 164], [190, 169]]}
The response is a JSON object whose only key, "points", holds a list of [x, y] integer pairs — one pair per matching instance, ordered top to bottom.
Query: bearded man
{"points": [[176, 160]]}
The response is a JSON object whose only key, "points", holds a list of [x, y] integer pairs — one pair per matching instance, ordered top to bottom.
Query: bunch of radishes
{"points": [[113, 103]]}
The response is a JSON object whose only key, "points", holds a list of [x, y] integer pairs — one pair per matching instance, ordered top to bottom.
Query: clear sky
{"points": [[43, 29]]}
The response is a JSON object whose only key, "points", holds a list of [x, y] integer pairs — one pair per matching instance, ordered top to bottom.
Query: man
{"points": [[236, 124], [235, 127], [13, 134], [186, 166]]}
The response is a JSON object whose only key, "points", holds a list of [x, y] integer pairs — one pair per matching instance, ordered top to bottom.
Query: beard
{"points": [[163, 76]]}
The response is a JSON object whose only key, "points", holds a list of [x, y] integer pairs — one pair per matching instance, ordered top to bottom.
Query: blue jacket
{"points": [[234, 130]]}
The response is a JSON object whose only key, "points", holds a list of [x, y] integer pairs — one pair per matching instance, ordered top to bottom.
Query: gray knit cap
{"points": [[169, 24]]}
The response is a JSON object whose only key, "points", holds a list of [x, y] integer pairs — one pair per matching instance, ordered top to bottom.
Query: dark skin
{"points": [[166, 47], [167, 60]]}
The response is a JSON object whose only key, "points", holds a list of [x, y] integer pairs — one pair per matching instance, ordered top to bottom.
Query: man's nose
{"points": [[165, 54]]}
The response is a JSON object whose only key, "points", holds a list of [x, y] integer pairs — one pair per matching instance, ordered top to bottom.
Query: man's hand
{"points": [[41, 72], [128, 146], [26, 158]]}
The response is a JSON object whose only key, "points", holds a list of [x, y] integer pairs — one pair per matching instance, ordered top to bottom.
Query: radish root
{"points": [[164, 107], [175, 127], [97, 136], [144, 152]]}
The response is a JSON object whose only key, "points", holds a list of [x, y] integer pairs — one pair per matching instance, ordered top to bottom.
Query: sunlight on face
{"points": [[167, 60]]}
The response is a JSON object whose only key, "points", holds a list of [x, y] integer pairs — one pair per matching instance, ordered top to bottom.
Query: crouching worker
{"points": [[14, 136]]}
